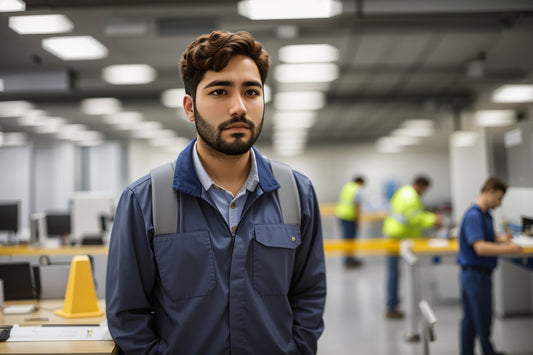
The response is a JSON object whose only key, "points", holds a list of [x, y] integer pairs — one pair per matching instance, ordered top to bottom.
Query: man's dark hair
{"points": [[213, 52], [359, 179], [422, 180], [494, 183]]}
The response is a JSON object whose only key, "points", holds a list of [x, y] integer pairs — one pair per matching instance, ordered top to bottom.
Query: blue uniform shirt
{"points": [[476, 225], [207, 289]]}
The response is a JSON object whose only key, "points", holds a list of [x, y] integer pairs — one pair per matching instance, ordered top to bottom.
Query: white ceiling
{"points": [[398, 60]]}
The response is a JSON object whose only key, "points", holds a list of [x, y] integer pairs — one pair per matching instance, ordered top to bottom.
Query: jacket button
{"points": [[293, 239]]}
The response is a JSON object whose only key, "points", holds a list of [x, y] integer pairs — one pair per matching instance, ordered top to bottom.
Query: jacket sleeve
{"points": [[416, 215], [130, 277], [308, 288]]}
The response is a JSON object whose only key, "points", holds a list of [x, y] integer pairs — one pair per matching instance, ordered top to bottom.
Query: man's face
{"points": [[229, 107], [494, 198]]}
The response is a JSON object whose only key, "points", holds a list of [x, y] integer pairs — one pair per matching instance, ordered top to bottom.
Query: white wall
{"points": [[330, 166], [15, 173], [53, 176]]}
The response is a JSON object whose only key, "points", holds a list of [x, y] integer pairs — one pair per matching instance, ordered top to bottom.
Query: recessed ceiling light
{"points": [[12, 5], [288, 9], [40, 24], [75, 47], [308, 53], [306, 73], [129, 74], [513, 94], [173, 97], [299, 100], [100, 106], [14, 108], [495, 118], [302, 119], [124, 120], [463, 138], [388, 145]]}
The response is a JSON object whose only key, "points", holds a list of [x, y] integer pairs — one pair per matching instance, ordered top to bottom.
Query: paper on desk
{"points": [[523, 240], [438, 243], [59, 333]]}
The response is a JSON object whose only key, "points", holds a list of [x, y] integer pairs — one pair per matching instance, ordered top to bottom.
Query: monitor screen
{"points": [[9, 217], [57, 224], [527, 225], [18, 280]]}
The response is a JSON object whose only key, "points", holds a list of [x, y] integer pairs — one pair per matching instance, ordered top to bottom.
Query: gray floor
{"points": [[355, 323]]}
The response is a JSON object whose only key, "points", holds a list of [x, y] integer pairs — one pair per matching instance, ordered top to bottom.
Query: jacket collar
{"points": [[186, 180]]}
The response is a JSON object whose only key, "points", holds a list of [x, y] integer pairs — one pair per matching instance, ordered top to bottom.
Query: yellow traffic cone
{"points": [[80, 296]]}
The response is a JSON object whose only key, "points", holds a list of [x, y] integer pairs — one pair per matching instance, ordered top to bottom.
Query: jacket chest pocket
{"points": [[274, 250], [185, 263]]}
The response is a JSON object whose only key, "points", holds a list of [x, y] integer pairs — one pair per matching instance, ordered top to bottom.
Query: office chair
{"points": [[427, 325]]}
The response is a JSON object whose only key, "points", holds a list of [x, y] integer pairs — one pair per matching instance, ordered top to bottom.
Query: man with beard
{"points": [[233, 278]]}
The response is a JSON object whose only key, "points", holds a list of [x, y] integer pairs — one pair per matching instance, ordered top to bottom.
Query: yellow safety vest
{"points": [[345, 206], [407, 217]]}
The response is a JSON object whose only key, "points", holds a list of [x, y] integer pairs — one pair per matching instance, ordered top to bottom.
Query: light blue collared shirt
{"points": [[228, 205]]}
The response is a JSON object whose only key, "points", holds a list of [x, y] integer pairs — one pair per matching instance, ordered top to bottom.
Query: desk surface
{"points": [[384, 246], [64, 250], [46, 310]]}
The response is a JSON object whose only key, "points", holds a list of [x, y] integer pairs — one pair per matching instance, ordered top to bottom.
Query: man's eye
{"points": [[218, 92], [252, 92]]}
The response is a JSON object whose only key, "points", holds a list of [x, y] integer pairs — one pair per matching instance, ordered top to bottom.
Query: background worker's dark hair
{"points": [[213, 52], [359, 179], [422, 180], [494, 183]]}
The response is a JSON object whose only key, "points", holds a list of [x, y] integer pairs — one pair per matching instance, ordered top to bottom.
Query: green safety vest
{"points": [[345, 206], [407, 217]]}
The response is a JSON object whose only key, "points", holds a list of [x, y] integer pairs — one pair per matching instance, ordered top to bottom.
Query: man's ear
{"points": [[188, 107]]}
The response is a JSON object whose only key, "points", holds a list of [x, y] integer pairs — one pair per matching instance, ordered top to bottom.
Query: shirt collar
{"points": [[251, 181]]}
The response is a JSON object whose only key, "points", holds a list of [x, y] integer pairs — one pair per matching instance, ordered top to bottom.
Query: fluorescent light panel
{"points": [[12, 5], [288, 9], [40, 24], [75, 47], [308, 53], [306, 73], [129, 74], [513, 94], [173, 97], [299, 100], [100, 106], [14, 108], [495, 118], [299, 119], [463, 138]]}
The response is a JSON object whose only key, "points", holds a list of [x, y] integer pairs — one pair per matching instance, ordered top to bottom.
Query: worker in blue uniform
{"points": [[479, 247], [234, 278]]}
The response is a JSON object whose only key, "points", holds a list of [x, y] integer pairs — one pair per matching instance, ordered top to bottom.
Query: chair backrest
{"points": [[427, 325]]}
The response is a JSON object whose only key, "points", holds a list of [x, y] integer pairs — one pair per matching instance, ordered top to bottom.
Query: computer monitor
{"points": [[9, 217], [57, 224], [527, 225], [18, 280]]}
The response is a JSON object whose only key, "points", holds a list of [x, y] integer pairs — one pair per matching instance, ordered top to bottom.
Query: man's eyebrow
{"points": [[231, 84]]}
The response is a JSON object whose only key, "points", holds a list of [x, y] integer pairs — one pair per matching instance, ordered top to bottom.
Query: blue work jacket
{"points": [[202, 291]]}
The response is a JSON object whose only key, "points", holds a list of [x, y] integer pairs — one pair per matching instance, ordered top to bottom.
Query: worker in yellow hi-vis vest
{"points": [[348, 212], [406, 219]]}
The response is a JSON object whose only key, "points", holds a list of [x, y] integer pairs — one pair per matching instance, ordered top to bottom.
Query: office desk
{"points": [[11, 250], [419, 252], [60, 255], [46, 310]]}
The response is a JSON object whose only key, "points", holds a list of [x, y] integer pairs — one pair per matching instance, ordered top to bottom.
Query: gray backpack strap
{"points": [[289, 198], [164, 200]]}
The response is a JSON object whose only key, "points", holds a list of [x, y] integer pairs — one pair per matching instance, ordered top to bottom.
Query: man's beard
{"points": [[236, 145]]}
